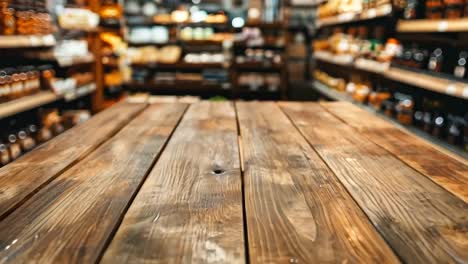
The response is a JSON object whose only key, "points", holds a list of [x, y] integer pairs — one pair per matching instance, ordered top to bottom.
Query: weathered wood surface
{"points": [[450, 173], [20, 179], [286, 183], [296, 209], [189, 210], [71, 219], [422, 222]]}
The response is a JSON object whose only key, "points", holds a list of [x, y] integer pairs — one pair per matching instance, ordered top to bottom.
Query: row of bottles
{"points": [[435, 9], [437, 59], [19, 137]]}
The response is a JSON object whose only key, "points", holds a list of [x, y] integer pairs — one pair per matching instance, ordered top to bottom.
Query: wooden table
{"points": [[235, 183]]}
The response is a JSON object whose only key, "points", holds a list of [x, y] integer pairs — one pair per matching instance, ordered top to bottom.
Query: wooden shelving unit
{"points": [[373, 13], [427, 25], [33, 41]]}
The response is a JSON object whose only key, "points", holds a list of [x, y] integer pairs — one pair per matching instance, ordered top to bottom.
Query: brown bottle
{"points": [[7, 17], [44, 135], [26, 141], [14, 147], [4, 155]]}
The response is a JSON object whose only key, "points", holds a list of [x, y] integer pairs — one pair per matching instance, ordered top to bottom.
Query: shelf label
{"points": [[386, 9], [371, 13], [345, 16], [442, 26], [35, 41], [451, 89], [465, 92]]}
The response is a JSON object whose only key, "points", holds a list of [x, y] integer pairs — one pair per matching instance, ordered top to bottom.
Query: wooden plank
{"points": [[445, 170], [25, 176], [190, 208], [296, 209], [71, 219], [421, 221]]}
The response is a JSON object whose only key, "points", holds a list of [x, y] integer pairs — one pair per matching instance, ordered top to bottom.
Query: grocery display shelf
{"points": [[307, 4], [372, 13], [134, 21], [266, 25], [430, 25], [27, 41], [343, 60], [69, 61], [179, 66], [259, 66], [419, 79], [428, 82], [194, 86], [80, 92], [338, 96], [41, 98], [27, 103]]}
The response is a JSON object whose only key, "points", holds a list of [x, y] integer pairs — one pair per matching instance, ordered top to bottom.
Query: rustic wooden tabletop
{"points": [[235, 183]]}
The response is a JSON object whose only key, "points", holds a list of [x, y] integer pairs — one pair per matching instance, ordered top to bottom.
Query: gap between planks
{"points": [[119, 221]]}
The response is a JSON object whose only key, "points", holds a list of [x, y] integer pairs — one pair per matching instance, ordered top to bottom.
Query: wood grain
{"points": [[450, 173], [20, 179], [190, 208], [296, 209], [70, 220], [421, 221]]}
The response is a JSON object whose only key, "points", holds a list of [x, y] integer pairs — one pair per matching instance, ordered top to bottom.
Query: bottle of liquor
{"points": [[460, 66]]}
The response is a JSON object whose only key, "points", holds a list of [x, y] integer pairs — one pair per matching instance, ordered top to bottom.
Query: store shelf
{"points": [[307, 4], [368, 14], [266, 25], [429, 25], [32, 41], [343, 60], [65, 61], [371, 65], [179, 66], [258, 66], [421, 80], [429, 82], [194, 86], [80, 92], [331, 93], [338, 96], [42, 98], [27, 103]]}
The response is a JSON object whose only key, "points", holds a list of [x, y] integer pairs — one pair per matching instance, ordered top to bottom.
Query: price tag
{"points": [[387, 9], [371, 13], [345, 17], [442, 26], [48, 40], [35, 41], [451, 89], [465, 92]]}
